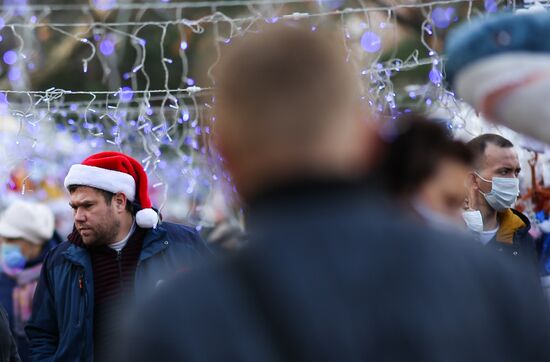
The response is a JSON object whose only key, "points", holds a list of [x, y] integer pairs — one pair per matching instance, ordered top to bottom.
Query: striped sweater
{"points": [[114, 275]]}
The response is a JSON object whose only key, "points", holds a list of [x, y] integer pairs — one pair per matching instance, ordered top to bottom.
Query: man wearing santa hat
{"points": [[118, 253]]}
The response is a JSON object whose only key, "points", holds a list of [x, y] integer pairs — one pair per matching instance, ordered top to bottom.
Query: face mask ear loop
{"points": [[481, 177], [479, 188]]}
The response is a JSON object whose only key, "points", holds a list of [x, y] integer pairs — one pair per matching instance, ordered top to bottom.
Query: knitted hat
{"points": [[500, 65], [116, 172], [28, 221]]}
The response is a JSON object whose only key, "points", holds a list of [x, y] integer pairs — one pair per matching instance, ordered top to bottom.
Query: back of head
{"points": [[283, 94], [479, 144], [414, 155]]}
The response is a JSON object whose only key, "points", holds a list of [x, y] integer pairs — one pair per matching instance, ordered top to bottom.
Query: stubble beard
{"points": [[104, 233]]}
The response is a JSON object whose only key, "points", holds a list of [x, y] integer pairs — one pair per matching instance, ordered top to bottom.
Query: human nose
{"points": [[79, 215]]}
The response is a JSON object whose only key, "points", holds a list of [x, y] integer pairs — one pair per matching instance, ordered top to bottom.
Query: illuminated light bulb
{"points": [[104, 4], [331, 4], [490, 6], [442, 17], [370, 42], [107, 46], [10, 57], [14, 74], [435, 76], [126, 95]]}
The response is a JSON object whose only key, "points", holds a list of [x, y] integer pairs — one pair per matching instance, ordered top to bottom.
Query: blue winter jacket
{"points": [[61, 326]]}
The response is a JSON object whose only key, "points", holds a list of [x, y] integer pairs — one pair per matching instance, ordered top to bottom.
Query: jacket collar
{"points": [[511, 222], [154, 242], [77, 255]]}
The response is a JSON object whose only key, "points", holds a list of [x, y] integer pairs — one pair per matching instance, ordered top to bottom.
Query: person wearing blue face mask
{"points": [[493, 189], [27, 235]]}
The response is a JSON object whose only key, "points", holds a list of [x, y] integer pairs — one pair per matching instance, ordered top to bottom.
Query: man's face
{"points": [[498, 162], [444, 193], [96, 221]]}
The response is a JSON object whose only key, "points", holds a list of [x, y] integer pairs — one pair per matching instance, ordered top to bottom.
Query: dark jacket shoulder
{"points": [[180, 232], [513, 238]]}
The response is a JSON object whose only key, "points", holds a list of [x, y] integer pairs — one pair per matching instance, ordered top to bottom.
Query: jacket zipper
{"points": [[82, 306]]}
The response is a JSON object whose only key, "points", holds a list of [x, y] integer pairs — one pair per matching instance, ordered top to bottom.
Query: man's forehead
{"points": [[496, 156], [85, 192]]}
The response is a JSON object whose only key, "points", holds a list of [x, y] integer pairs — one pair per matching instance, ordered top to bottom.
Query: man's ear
{"points": [[471, 182], [473, 192], [119, 201]]}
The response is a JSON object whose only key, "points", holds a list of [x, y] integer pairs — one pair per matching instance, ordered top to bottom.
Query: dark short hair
{"points": [[478, 145], [414, 155], [131, 207]]}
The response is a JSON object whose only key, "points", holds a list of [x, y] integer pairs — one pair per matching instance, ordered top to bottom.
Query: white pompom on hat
{"points": [[116, 172]]}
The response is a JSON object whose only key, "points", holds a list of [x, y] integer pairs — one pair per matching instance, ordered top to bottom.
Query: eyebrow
{"points": [[507, 168], [81, 203]]}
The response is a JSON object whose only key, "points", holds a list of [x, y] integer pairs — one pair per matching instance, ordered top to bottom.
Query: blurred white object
{"points": [[535, 7], [512, 89], [532, 144], [30, 221], [545, 226]]}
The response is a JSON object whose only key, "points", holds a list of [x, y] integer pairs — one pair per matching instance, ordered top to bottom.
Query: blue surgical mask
{"points": [[11, 257]]}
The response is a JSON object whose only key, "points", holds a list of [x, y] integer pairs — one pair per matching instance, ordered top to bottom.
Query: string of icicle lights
{"points": [[137, 77]]}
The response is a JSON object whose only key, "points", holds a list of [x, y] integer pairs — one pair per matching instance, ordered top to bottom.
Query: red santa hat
{"points": [[116, 172]]}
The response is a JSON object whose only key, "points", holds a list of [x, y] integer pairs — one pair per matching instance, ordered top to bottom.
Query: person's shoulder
{"points": [[179, 229], [176, 232], [182, 235], [461, 247], [447, 253], [56, 254], [465, 265], [489, 268], [223, 274], [213, 287], [194, 309]]}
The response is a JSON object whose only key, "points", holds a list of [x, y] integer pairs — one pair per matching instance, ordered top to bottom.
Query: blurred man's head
{"points": [[287, 107], [426, 166], [496, 171]]}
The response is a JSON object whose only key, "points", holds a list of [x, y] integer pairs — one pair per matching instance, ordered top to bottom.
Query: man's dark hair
{"points": [[478, 145], [415, 154], [131, 207]]}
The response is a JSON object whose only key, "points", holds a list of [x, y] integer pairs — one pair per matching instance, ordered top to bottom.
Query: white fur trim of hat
{"points": [[101, 178]]}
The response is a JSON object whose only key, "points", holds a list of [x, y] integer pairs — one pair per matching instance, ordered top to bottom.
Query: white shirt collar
{"points": [[119, 245]]}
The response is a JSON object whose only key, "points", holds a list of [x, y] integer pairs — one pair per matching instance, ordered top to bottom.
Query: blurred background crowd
{"points": [[141, 78]]}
